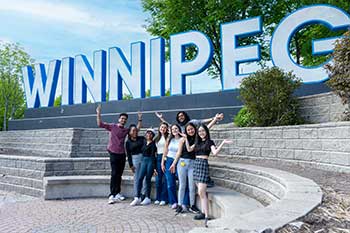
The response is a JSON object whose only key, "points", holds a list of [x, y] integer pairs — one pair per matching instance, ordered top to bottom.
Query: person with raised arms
{"points": [[202, 149], [116, 150], [184, 164]]}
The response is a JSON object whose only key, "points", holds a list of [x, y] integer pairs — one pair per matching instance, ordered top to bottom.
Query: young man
{"points": [[116, 150]]}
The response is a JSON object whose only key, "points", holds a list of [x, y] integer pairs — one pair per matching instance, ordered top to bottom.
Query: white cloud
{"points": [[71, 14]]}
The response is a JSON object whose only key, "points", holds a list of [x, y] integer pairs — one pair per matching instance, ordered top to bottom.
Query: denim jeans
{"points": [[136, 161], [147, 169], [185, 169], [171, 181], [161, 184]]}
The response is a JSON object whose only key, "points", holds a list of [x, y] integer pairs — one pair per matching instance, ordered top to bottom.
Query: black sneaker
{"points": [[178, 209], [193, 209], [199, 216]]}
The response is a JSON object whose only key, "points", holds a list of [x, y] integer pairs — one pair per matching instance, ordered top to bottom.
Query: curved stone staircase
{"points": [[72, 163]]}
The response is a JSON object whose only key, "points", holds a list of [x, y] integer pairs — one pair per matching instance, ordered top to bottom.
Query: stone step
{"points": [[31, 139], [36, 146], [35, 152], [21, 172], [22, 181], [21, 189]]}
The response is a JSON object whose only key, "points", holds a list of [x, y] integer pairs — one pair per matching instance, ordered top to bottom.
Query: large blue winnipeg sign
{"points": [[78, 75]]}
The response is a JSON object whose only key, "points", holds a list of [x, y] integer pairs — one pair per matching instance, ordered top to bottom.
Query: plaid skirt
{"points": [[201, 171]]}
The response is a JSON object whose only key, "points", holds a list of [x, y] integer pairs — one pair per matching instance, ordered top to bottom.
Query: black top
{"points": [[134, 147], [203, 147], [150, 150], [185, 154]]}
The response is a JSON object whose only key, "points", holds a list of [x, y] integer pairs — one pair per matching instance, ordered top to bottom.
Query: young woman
{"points": [[133, 148], [202, 148], [170, 150], [184, 163], [148, 168], [161, 184]]}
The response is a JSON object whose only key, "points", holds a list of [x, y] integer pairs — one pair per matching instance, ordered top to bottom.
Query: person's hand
{"points": [[98, 109], [139, 114], [159, 115], [219, 116], [183, 135], [163, 167], [172, 168], [133, 169], [155, 173]]}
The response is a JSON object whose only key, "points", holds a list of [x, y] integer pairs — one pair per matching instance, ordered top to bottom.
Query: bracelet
{"points": [[140, 120]]}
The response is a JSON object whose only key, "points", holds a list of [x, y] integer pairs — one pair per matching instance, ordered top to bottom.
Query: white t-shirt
{"points": [[160, 145], [173, 147]]}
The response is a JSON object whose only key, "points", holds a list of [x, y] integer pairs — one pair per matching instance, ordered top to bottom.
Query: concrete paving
{"points": [[19, 213]]}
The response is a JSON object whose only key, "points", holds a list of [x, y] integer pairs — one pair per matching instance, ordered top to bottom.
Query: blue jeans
{"points": [[136, 160], [147, 169], [185, 172], [171, 181], [161, 184]]}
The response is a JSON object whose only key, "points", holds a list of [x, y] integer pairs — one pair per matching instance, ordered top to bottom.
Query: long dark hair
{"points": [[187, 118], [130, 127], [171, 134], [159, 135], [191, 139], [199, 139]]}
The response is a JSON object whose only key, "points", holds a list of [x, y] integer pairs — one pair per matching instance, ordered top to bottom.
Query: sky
{"points": [[53, 29]]}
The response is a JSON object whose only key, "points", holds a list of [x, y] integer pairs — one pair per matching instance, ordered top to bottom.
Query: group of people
{"points": [[178, 151]]}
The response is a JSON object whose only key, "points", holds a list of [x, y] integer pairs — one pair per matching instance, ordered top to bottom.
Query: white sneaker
{"points": [[119, 197], [111, 199], [136, 201], [146, 201], [156, 202], [162, 203]]}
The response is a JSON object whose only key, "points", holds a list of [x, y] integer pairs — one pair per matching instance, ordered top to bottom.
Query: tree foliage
{"points": [[168, 17], [339, 72], [268, 97], [12, 100]]}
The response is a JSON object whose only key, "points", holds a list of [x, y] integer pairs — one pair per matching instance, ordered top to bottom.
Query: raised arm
{"points": [[98, 115], [160, 116], [219, 117], [139, 121], [188, 147], [216, 150]]}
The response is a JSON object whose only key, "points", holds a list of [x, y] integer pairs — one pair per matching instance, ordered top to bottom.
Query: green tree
{"points": [[168, 17], [301, 45], [12, 59], [339, 72], [268, 98], [58, 101]]}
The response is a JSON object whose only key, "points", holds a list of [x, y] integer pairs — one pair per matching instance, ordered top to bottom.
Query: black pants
{"points": [[117, 167]]}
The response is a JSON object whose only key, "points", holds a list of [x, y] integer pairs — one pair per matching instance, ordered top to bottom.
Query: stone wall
{"points": [[320, 108], [325, 146]]}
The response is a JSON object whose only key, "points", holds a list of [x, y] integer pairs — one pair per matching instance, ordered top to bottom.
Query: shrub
{"points": [[339, 72], [268, 96], [243, 118]]}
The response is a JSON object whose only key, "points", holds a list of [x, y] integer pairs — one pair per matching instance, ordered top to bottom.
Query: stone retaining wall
{"points": [[320, 108], [325, 146]]}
